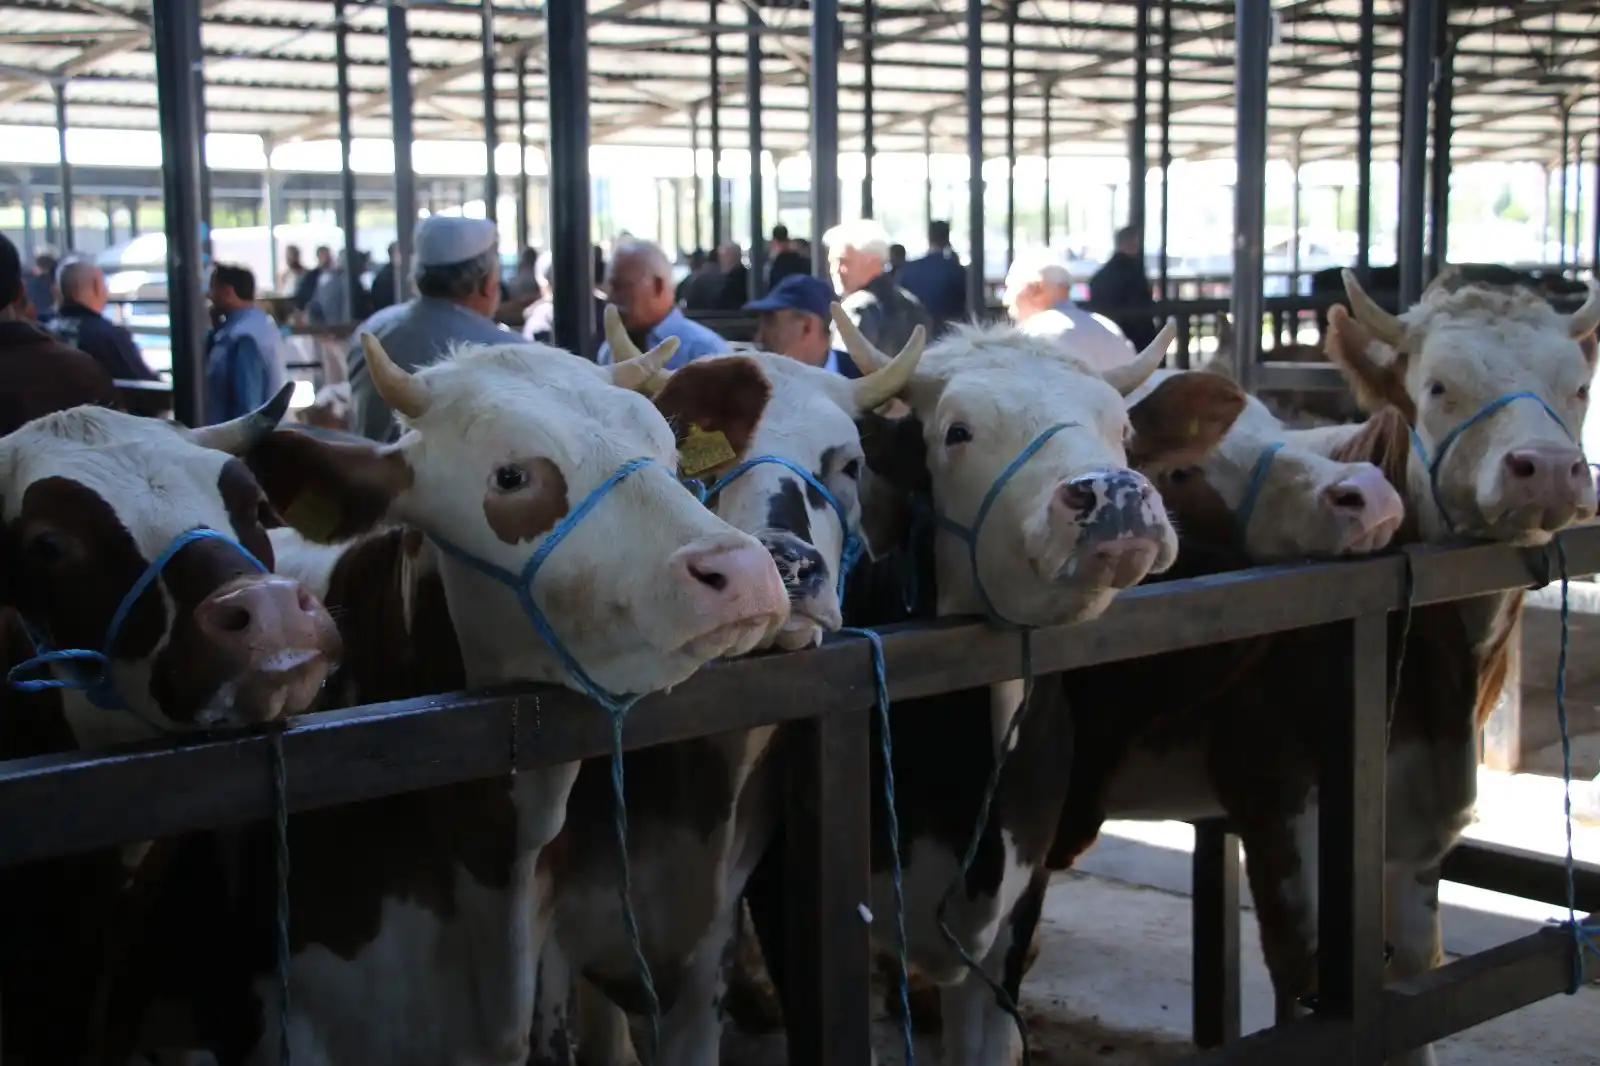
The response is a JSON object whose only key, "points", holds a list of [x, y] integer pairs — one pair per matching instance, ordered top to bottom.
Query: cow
{"points": [[1300, 408], [1017, 456], [141, 547], [701, 812], [417, 921]]}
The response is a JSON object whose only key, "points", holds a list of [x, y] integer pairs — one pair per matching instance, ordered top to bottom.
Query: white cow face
{"points": [[809, 421], [501, 445], [1510, 472], [1268, 489], [92, 498], [1072, 523]]}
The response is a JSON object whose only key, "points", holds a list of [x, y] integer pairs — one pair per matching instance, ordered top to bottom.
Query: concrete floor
{"points": [[1111, 986]]}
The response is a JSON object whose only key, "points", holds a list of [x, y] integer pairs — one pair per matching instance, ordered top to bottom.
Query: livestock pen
{"points": [[62, 804]]}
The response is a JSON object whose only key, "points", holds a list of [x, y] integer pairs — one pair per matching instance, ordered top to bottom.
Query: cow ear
{"points": [[1375, 372], [714, 406], [1183, 418], [895, 450], [329, 488]]}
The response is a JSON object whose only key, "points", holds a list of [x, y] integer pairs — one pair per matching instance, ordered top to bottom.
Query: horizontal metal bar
{"points": [[1319, 377], [73, 802], [1522, 873]]}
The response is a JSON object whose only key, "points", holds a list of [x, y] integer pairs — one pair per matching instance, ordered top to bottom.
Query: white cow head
{"points": [[1499, 381], [810, 421], [501, 445], [1268, 490], [93, 501], [1072, 523]]}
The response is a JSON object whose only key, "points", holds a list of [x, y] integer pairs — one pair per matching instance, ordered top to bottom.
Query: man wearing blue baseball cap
{"points": [[794, 322]]}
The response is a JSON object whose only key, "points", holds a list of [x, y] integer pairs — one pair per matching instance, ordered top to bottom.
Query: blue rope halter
{"points": [[1450, 438], [1258, 478], [100, 689]]}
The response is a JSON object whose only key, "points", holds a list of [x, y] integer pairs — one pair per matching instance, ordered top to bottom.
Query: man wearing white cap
{"points": [[458, 286], [1038, 296]]}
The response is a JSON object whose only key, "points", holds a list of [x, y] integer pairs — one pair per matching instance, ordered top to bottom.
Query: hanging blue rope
{"points": [[1582, 933]]}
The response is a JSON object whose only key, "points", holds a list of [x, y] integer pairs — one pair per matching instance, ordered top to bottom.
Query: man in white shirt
{"points": [[1039, 297]]}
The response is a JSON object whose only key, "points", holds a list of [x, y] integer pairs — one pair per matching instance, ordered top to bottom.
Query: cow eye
{"points": [[1436, 388], [1583, 392], [958, 433], [852, 469], [1179, 475], [510, 478], [47, 549]]}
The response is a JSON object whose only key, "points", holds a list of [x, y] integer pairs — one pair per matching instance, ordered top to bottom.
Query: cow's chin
{"points": [[728, 641], [283, 685]]}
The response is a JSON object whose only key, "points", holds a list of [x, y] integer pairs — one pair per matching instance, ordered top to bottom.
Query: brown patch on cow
{"points": [[1375, 387], [722, 395], [1183, 418], [328, 489], [1195, 507], [532, 510]]}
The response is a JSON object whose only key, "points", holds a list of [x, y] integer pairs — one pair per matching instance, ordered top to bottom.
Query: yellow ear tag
{"points": [[1194, 428], [704, 450], [314, 515]]}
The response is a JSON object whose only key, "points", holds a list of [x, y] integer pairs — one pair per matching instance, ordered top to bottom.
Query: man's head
{"points": [[938, 235], [780, 239], [1128, 240], [394, 250], [857, 253], [729, 256], [897, 256], [291, 257], [325, 257], [458, 259], [45, 264], [84, 284], [640, 284], [1034, 284], [232, 287], [12, 293], [794, 319]]}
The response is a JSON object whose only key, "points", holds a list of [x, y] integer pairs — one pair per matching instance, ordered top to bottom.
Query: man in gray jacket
{"points": [[858, 254], [458, 286]]}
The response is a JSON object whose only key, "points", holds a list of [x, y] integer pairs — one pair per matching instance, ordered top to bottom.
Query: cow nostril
{"points": [[1521, 466], [1580, 469], [1078, 495], [1349, 499], [709, 578], [306, 601], [230, 619]]}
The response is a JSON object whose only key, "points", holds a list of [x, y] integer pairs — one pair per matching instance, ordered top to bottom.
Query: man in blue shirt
{"points": [[937, 279], [640, 286], [795, 322], [81, 323], [244, 357]]}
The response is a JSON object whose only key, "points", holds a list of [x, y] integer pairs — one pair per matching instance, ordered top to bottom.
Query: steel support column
{"points": [[175, 33], [567, 33], [825, 34], [1253, 43], [1364, 67], [1418, 72], [198, 87], [1046, 91], [752, 96], [715, 103], [1443, 118], [868, 119], [400, 124], [491, 124], [1011, 132], [1139, 135], [1166, 142], [694, 152], [1566, 167], [927, 172], [347, 176], [269, 202], [1295, 220], [523, 228], [67, 236], [1594, 251], [975, 286]]}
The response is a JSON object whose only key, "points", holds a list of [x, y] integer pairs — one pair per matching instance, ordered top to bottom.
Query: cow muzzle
{"points": [[1542, 488], [1364, 511], [1111, 528], [733, 594], [277, 643]]}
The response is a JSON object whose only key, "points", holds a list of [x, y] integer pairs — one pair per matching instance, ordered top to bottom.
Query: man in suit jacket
{"points": [[794, 322]]}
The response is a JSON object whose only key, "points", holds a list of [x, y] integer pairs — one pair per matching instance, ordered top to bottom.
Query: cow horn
{"points": [[1443, 280], [1584, 321], [1384, 326], [623, 349], [862, 352], [640, 373], [1129, 376], [399, 388], [873, 390], [239, 435]]}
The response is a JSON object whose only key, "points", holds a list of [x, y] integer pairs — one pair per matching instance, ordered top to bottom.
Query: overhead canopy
{"points": [[269, 70]]}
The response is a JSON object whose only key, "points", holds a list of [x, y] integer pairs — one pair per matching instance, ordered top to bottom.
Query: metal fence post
{"points": [[175, 29], [825, 35], [1253, 42], [1418, 50], [752, 97], [405, 176], [347, 177], [975, 264], [572, 265], [1214, 906]]}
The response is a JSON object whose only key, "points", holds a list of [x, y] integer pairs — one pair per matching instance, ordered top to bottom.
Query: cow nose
{"points": [[1547, 475], [1076, 499], [1107, 502], [1368, 508], [799, 564], [731, 585], [257, 615], [276, 637]]}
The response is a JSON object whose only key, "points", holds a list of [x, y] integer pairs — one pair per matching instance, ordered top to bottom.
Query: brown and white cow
{"points": [[93, 501], [1070, 525], [701, 812], [417, 921]]}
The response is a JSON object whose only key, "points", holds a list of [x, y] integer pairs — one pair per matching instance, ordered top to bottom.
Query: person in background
{"points": [[785, 257], [897, 259], [697, 263], [293, 270], [735, 277], [937, 279], [524, 284], [1122, 285], [41, 286], [306, 286], [640, 286], [383, 289], [458, 289], [702, 289], [1038, 295], [331, 307], [883, 311], [539, 321], [794, 321], [81, 323], [244, 355], [39, 374]]}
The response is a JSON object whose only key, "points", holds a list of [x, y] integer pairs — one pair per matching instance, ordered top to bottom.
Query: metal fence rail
{"points": [[73, 802]]}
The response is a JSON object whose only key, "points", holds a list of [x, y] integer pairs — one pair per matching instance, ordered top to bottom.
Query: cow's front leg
{"points": [[1411, 917], [552, 1012], [977, 1031], [691, 1032], [603, 1035]]}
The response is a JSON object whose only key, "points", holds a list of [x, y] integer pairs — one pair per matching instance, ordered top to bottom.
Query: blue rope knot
{"points": [[1434, 465]]}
